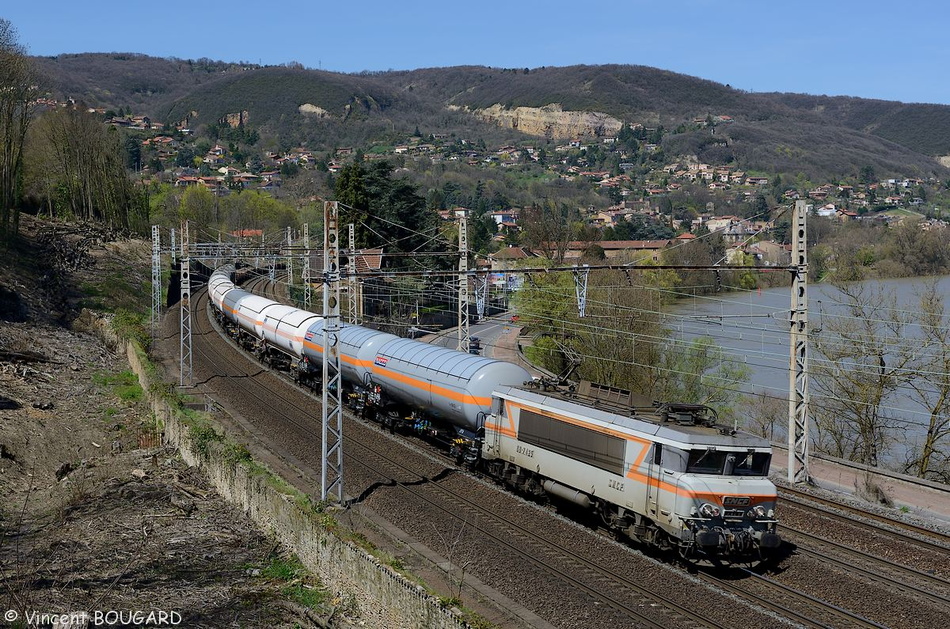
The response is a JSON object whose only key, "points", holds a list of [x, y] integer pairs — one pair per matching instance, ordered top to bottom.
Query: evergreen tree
{"points": [[388, 212]]}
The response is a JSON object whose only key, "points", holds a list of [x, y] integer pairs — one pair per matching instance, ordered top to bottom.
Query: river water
{"points": [[752, 328]]}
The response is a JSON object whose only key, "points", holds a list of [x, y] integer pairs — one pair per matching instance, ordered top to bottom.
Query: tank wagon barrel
{"points": [[449, 385]]}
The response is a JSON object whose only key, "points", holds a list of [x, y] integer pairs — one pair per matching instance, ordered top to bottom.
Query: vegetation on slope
{"points": [[821, 136]]}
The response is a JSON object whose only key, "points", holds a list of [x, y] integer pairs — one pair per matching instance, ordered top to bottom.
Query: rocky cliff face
{"points": [[309, 109], [235, 120], [552, 121]]}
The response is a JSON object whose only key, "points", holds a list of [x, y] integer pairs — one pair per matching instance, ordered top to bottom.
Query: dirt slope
{"points": [[96, 515]]}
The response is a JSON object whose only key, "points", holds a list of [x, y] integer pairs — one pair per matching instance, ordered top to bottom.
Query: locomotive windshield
{"points": [[722, 462]]}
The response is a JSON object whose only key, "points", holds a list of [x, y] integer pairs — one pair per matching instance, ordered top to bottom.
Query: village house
{"points": [[186, 181], [828, 210], [846, 214], [505, 216], [607, 218], [718, 223], [739, 231], [248, 233], [621, 250], [770, 253], [508, 258]]}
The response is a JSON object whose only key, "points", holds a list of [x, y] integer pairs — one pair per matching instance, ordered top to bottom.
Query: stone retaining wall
{"points": [[349, 571]]}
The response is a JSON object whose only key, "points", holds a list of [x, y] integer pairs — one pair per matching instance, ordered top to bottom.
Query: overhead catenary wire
{"points": [[827, 340], [781, 365]]}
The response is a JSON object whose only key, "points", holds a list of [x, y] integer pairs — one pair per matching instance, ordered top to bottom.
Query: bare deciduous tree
{"points": [[18, 92], [92, 182], [549, 228], [863, 359], [931, 387], [766, 415]]}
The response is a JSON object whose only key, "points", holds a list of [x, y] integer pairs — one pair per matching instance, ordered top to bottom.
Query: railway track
{"points": [[853, 516], [549, 556], [545, 560], [852, 564], [897, 570], [893, 576], [602, 587], [629, 599], [790, 603]]}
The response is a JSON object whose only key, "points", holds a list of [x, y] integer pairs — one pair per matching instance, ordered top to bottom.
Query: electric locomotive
{"points": [[667, 475]]}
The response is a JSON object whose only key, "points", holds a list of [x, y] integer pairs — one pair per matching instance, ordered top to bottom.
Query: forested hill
{"points": [[657, 96], [824, 137]]}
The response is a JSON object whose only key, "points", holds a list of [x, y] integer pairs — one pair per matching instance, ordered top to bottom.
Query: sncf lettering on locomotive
{"points": [[525, 451], [615, 484], [735, 501]]}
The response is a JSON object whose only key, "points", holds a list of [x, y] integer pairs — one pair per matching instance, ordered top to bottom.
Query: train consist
{"points": [[668, 475]]}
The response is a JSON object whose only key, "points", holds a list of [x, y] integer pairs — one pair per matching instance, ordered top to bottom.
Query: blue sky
{"points": [[872, 49]]}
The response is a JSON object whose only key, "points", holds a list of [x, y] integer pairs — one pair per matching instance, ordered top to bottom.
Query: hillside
{"points": [[128, 80], [649, 96], [296, 106], [823, 137], [99, 514]]}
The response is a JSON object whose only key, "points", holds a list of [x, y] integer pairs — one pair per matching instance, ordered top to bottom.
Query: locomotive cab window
{"points": [[673, 459], [707, 461], [711, 461], [749, 464]]}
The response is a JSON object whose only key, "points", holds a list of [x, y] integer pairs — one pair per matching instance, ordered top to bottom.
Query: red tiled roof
{"points": [[247, 233], [610, 245], [510, 253], [369, 260]]}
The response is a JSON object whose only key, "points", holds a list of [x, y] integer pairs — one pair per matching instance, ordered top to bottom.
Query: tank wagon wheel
{"points": [[390, 417]]}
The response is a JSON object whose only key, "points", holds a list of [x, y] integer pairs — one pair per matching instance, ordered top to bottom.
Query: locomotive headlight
{"points": [[709, 511], [756, 512]]}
